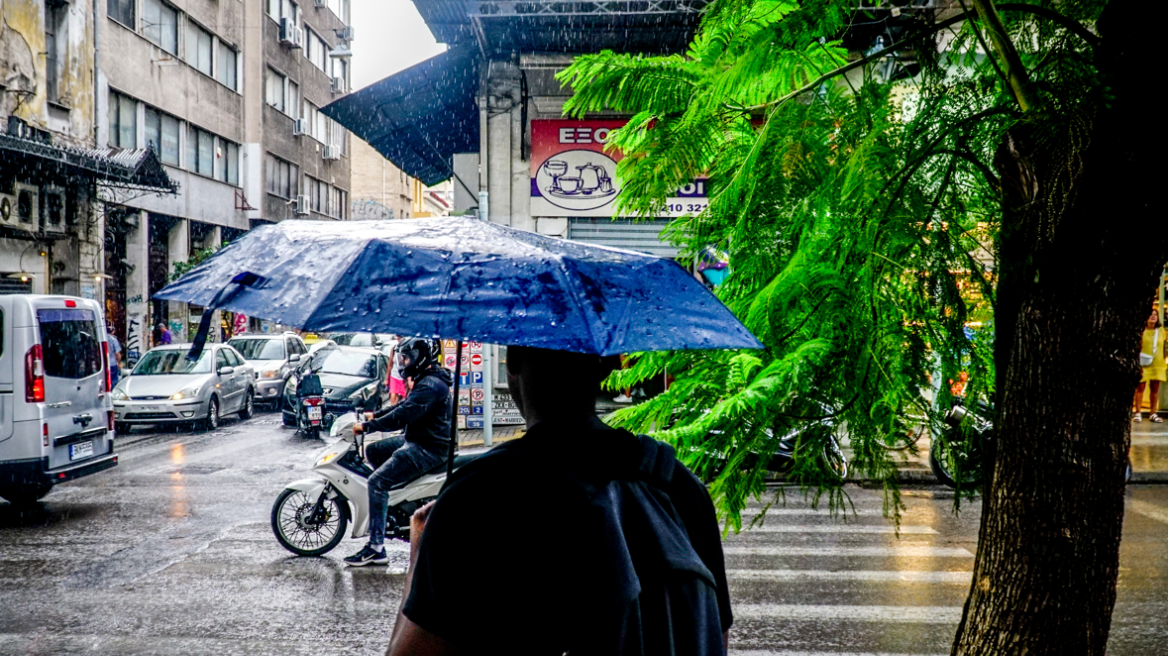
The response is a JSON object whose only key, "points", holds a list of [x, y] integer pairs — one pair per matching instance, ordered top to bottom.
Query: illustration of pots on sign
{"points": [[578, 180]]}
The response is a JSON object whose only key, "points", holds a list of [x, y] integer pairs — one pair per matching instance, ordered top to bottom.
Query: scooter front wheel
{"points": [[302, 533]]}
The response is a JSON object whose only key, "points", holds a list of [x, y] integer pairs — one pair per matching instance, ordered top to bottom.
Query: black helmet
{"points": [[423, 353]]}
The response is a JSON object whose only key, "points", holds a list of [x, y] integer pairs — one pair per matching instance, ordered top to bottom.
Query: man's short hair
{"points": [[561, 368]]}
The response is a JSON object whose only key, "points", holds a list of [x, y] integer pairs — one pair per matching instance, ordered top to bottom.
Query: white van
{"points": [[56, 414]]}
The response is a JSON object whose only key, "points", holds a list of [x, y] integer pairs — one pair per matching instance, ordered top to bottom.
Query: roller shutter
{"points": [[643, 236]]}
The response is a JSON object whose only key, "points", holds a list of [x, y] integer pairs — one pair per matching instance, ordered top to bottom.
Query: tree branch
{"points": [[1017, 76]]}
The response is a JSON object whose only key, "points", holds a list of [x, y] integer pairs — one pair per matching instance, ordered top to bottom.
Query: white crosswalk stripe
{"points": [[843, 528], [832, 550], [949, 577]]}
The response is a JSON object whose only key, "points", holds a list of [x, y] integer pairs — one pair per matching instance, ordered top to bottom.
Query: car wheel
{"points": [[248, 408], [211, 422], [121, 428], [23, 496]]}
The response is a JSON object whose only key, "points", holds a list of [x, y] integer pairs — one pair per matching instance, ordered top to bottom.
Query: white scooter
{"points": [[310, 516]]}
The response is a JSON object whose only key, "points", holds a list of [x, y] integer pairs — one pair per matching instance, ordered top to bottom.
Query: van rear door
{"points": [[7, 360], [74, 408]]}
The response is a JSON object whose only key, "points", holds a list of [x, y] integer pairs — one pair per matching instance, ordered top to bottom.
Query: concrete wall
{"points": [[380, 190]]}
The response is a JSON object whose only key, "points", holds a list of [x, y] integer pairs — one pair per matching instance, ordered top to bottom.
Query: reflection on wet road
{"points": [[171, 553]]}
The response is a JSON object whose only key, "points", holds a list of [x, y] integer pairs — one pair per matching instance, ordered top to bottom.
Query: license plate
{"points": [[149, 408], [314, 414], [80, 450]]}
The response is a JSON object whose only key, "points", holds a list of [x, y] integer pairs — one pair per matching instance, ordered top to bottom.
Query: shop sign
{"points": [[572, 175]]}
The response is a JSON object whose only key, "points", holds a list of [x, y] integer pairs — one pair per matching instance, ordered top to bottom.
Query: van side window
{"points": [[1, 332], [69, 341]]}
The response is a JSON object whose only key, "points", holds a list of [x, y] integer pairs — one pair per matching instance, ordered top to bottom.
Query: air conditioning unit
{"points": [[290, 33], [345, 33], [338, 84], [300, 126], [332, 152], [300, 205], [7, 209], [26, 213]]}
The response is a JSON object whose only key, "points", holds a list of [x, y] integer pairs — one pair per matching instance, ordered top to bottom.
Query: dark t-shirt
{"points": [[507, 564]]}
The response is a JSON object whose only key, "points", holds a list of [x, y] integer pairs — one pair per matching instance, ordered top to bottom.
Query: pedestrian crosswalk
{"points": [[804, 583]]}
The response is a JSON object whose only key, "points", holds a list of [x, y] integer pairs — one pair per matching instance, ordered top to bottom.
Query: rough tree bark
{"points": [[1079, 256]]}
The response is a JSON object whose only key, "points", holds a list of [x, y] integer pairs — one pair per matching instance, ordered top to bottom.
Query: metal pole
{"points": [[488, 396], [454, 413]]}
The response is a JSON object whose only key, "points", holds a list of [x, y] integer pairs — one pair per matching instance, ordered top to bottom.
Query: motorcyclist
{"points": [[425, 415]]}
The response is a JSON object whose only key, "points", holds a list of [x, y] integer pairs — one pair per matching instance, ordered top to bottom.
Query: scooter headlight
{"points": [[329, 457]]}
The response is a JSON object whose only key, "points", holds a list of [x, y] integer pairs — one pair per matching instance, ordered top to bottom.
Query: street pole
{"points": [[488, 396], [454, 412]]}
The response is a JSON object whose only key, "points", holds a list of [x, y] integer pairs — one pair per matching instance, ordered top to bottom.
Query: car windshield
{"points": [[353, 339], [258, 349], [172, 361], [336, 361]]}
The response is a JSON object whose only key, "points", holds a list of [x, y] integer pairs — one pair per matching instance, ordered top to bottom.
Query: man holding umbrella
{"points": [[425, 415]]}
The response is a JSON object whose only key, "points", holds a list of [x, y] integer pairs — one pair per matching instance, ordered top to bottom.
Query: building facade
{"points": [[227, 95], [54, 173], [380, 190]]}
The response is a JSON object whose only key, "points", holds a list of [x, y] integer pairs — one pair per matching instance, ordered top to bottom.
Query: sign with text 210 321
{"points": [[572, 175]]}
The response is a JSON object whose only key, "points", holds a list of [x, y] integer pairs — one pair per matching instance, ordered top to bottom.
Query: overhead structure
{"points": [[419, 117], [109, 167]]}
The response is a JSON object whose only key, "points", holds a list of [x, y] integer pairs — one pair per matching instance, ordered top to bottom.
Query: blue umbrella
{"points": [[465, 279]]}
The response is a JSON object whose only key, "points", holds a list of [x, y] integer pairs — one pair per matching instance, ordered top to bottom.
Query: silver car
{"points": [[273, 357], [166, 388]]}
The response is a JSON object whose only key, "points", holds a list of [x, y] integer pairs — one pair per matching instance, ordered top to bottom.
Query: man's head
{"points": [[417, 354], [547, 383]]}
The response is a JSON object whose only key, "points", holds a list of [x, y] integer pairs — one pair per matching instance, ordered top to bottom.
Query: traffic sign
{"points": [[449, 344], [476, 347], [466, 358], [476, 359], [448, 362], [476, 378], [464, 379], [477, 395], [476, 409], [474, 423]]}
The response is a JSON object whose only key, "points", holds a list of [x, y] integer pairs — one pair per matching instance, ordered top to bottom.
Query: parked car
{"points": [[370, 340], [274, 357], [352, 379], [166, 388], [56, 418]]}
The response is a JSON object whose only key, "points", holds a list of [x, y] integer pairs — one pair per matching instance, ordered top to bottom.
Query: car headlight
{"points": [[270, 373], [188, 393], [120, 395], [327, 458]]}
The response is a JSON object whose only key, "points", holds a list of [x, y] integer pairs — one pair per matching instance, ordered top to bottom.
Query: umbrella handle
{"points": [[229, 291]]}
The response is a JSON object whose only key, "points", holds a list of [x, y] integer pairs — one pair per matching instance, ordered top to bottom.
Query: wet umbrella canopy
{"points": [[462, 278]]}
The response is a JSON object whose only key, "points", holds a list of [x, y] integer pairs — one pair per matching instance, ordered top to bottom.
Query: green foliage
{"points": [[859, 215], [199, 256]]}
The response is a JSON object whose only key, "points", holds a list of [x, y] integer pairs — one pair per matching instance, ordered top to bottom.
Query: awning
{"points": [[419, 118], [137, 169]]}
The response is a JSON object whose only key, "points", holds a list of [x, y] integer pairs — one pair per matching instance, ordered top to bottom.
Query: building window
{"points": [[278, 9], [340, 9], [122, 11], [160, 24], [56, 42], [199, 43], [317, 50], [227, 66], [341, 69], [274, 89], [292, 102], [123, 121], [162, 134], [200, 151], [229, 167], [283, 178], [317, 195]]}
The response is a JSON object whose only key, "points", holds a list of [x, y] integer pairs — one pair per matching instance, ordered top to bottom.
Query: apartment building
{"points": [[227, 95], [54, 175]]}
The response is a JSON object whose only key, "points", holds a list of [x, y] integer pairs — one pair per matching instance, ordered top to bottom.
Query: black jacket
{"points": [[425, 413]]}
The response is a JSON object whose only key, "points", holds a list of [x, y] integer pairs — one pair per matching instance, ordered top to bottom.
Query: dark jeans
{"points": [[397, 462]]}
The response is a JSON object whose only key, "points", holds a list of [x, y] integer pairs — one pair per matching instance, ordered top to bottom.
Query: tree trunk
{"points": [[1079, 255]]}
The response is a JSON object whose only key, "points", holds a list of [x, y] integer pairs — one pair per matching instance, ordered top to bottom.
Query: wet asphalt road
{"points": [[171, 553]]}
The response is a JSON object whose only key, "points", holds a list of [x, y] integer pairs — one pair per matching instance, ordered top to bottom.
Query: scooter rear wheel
{"points": [[291, 522]]}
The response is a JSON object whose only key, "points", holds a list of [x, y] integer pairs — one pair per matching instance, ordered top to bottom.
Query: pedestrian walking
{"points": [[164, 334], [115, 359], [1153, 367], [589, 563]]}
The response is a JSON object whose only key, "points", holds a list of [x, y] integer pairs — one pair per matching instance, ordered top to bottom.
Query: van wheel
{"points": [[248, 408], [211, 422], [23, 496]]}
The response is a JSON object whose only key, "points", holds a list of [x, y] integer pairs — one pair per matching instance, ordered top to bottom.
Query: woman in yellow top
{"points": [[1157, 371]]}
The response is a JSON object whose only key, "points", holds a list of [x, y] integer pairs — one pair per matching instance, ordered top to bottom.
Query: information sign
{"points": [[476, 378], [473, 422]]}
